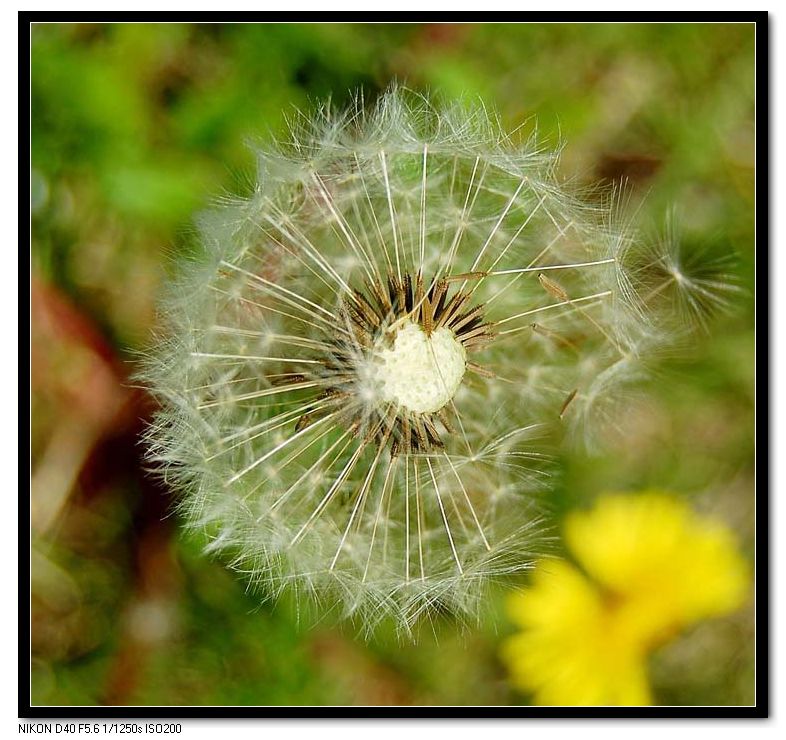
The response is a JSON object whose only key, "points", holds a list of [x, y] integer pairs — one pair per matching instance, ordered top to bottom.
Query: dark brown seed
{"points": [[567, 402]]}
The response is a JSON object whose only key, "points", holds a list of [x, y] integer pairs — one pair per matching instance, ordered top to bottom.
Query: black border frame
{"points": [[760, 710]]}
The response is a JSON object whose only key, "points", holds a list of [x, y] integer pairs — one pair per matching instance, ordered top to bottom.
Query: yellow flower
{"points": [[649, 568]]}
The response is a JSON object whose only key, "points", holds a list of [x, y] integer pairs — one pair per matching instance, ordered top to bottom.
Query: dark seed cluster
{"points": [[372, 318]]}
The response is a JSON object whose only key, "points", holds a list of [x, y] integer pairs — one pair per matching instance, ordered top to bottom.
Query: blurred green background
{"points": [[137, 126]]}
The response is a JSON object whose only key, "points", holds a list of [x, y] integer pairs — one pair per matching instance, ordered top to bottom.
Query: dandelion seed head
{"points": [[364, 362]]}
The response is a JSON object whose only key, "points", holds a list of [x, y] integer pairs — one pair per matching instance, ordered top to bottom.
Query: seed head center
{"points": [[419, 372]]}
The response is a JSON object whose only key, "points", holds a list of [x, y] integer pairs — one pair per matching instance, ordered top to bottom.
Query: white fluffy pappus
{"points": [[356, 367]]}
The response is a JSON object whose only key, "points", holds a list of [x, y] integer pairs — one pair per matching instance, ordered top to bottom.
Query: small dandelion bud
{"points": [[358, 363]]}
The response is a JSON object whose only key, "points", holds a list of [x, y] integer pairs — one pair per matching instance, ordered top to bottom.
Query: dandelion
{"points": [[689, 286], [361, 361], [648, 568]]}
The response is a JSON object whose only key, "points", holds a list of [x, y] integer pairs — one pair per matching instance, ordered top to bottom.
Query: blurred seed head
{"points": [[685, 287], [358, 365]]}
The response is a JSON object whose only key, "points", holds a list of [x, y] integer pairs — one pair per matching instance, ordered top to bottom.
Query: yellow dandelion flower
{"points": [[649, 568]]}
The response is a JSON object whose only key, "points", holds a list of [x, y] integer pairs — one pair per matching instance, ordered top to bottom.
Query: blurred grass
{"points": [[134, 127]]}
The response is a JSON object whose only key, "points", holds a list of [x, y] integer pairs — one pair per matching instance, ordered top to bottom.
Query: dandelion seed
{"points": [[352, 386]]}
